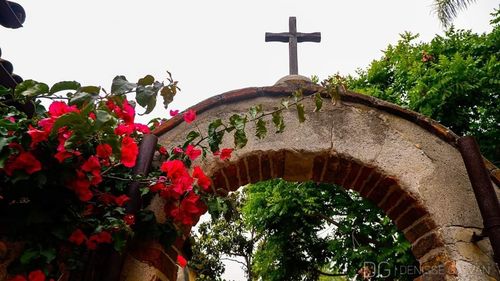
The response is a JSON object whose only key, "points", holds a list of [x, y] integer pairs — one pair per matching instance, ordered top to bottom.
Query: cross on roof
{"points": [[293, 37]]}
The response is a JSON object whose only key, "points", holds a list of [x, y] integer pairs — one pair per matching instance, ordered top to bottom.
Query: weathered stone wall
{"points": [[406, 164]]}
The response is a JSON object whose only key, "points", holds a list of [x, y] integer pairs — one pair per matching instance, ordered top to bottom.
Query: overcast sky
{"points": [[211, 46]]}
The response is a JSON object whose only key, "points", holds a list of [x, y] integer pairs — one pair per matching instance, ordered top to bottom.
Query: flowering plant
{"points": [[64, 173]]}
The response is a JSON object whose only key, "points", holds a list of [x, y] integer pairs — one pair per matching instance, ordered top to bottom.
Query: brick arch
{"points": [[404, 162], [403, 208]]}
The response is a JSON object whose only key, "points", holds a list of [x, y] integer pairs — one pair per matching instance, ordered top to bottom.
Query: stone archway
{"points": [[405, 163]]}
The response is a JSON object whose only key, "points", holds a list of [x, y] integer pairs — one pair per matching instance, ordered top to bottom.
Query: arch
{"points": [[404, 162]]}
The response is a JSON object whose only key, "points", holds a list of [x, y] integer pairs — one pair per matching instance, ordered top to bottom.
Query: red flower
{"points": [[59, 108], [174, 112], [127, 113], [92, 115], [189, 116], [46, 124], [142, 128], [124, 129], [37, 136], [104, 150], [162, 150], [178, 150], [129, 152], [192, 152], [225, 153], [62, 155], [23, 161], [93, 166], [173, 168], [203, 180], [80, 185], [159, 186], [106, 198], [122, 199], [189, 210], [129, 219], [77, 237], [101, 237], [104, 237], [181, 261], [36, 275], [18, 278]]}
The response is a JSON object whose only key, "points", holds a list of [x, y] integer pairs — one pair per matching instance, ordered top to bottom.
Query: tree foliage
{"points": [[453, 79], [301, 231]]}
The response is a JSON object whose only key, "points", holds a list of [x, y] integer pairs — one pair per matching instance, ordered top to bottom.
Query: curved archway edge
{"points": [[404, 162]]}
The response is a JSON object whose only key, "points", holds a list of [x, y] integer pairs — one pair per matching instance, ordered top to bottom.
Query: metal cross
{"points": [[293, 37]]}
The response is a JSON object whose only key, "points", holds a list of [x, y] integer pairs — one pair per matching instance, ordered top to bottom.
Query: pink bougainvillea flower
{"points": [[59, 108], [174, 112], [189, 116], [11, 119], [46, 124], [142, 128], [124, 129], [63, 134], [37, 136], [104, 150], [162, 150], [178, 150], [129, 152], [192, 152], [225, 154], [62, 155], [24, 161], [93, 166], [173, 168], [203, 180], [81, 186], [159, 186], [122, 199], [129, 219], [77, 237], [101, 237], [104, 237], [181, 261], [36, 275]]}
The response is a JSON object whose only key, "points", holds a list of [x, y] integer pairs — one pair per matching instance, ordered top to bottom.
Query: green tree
{"points": [[453, 79], [303, 231]]}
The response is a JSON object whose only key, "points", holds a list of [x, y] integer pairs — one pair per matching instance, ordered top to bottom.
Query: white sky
{"points": [[211, 46]]}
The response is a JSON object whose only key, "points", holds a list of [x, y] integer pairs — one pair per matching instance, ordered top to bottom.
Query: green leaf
{"points": [[146, 81], [121, 85], [64, 86], [31, 88], [90, 89], [4, 90], [168, 93], [146, 97], [81, 98], [318, 101], [285, 103], [255, 110], [300, 112], [102, 116], [238, 121], [278, 121], [260, 127], [192, 136], [215, 137], [240, 138], [48, 254], [29, 255]]}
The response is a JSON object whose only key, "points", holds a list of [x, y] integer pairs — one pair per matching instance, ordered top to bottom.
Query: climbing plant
{"points": [[65, 170]]}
